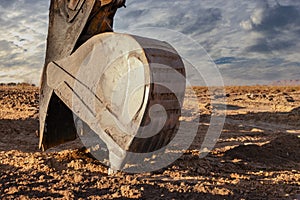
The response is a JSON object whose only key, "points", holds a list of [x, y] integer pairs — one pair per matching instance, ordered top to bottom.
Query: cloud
{"points": [[7, 3], [257, 16], [187, 17], [276, 18], [255, 19], [279, 26], [23, 32], [250, 40], [229, 60], [259, 71], [20, 75]]}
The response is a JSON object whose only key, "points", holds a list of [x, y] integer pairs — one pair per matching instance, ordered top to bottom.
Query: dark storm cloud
{"points": [[280, 27]]}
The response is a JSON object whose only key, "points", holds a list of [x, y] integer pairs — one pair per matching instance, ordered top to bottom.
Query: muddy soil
{"points": [[256, 157]]}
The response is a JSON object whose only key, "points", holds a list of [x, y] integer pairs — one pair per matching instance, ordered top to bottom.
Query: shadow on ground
{"points": [[234, 172]]}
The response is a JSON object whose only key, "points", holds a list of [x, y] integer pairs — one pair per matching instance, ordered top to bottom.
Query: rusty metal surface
{"points": [[71, 23]]}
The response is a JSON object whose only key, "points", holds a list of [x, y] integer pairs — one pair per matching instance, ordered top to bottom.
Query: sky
{"points": [[248, 42]]}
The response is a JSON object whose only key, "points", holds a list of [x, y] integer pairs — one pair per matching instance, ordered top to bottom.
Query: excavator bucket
{"points": [[128, 90]]}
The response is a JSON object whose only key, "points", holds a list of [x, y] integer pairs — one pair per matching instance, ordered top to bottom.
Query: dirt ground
{"points": [[256, 157]]}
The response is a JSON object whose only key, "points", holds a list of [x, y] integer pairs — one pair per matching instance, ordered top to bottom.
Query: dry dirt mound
{"points": [[282, 151], [256, 157]]}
